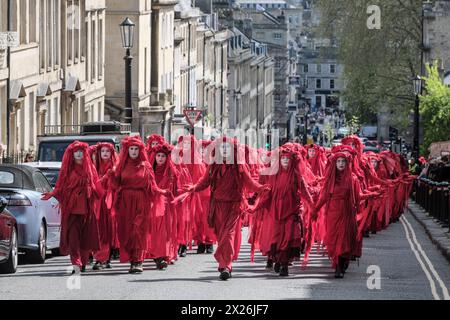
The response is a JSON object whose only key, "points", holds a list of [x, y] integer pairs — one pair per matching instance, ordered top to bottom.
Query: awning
{"points": [[72, 84], [17, 90]]}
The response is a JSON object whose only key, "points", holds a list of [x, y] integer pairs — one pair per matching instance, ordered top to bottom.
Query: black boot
{"points": [[366, 234], [201, 248], [209, 248], [183, 251], [108, 264], [269, 264], [343, 264], [98, 266], [277, 267], [284, 272], [338, 273], [225, 274]]}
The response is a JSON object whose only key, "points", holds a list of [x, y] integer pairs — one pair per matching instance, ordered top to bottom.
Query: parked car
{"points": [[49, 169], [39, 222], [9, 250]]}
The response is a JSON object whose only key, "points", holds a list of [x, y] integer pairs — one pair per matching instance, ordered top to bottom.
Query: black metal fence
{"points": [[434, 197]]}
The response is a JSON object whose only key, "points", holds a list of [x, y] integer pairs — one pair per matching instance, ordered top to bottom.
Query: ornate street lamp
{"points": [[127, 32]]}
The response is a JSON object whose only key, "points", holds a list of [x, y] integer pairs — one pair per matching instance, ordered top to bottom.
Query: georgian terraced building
{"points": [[54, 79]]}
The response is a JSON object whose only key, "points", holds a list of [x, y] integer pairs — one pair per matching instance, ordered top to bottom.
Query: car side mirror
{"points": [[3, 204]]}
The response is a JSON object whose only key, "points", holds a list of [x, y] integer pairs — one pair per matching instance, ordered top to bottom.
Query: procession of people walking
{"points": [[155, 201]]}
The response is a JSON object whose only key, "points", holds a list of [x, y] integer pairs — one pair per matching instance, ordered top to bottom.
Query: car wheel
{"points": [[38, 256], [10, 266]]}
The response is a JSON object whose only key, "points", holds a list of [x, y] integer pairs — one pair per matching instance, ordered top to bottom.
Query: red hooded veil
{"points": [[79, 180]]}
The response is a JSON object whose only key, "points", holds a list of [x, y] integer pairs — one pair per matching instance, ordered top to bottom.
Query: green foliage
{"points": [[378, 63], [435, 109]]}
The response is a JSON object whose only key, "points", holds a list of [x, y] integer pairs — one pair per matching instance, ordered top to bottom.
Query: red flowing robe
{"points": [[136, 196], [76, 200], [226, 207], [184, 212], [285, 213], [107, 217], [340, 218], [163, 231]]}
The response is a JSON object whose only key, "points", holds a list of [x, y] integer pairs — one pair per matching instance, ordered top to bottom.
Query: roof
{"points": [[81, 138], [44, 164]]}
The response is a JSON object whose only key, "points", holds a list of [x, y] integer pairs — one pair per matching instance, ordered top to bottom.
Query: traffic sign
{"points": [[192, 115]]}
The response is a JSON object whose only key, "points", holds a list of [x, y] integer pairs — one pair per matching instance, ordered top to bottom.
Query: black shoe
{"points": [[366, 234], [201, 248], [209, 248], [183, 251], [91, 259], [269, 264], [343, 264], [108, 265], [132, 265], [162, 265], [98, 266], [277, 267], [138, 268], [83, 269], [284, 272], [338, 274], [225, 275]]}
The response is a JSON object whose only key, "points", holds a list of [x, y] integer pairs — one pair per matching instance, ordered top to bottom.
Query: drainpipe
{"points": [[8, 82]]}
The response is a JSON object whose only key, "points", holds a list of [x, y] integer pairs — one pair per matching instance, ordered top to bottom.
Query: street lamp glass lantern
{"points": [[127, 32], [417, 82]]}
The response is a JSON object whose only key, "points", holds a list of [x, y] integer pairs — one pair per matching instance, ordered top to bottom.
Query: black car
{"points": [[9, 244]]}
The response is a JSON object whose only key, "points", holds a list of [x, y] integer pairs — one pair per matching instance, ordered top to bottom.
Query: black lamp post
{"points": [[127, 32], [417, 82]]}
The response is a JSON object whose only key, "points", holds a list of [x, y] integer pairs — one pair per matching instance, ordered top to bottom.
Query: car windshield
{"points": [[54, 150], [51, 175]]}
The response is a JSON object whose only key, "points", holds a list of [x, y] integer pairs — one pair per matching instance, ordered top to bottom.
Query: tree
{"points": [[378, 63], [435, 109]]}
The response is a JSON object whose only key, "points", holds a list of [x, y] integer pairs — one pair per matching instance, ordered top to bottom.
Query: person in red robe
{"points": [[190, 154], [316, 159], [105, 160], [227, 179], [77, 191], [288, 193], [341, 195], [136, 198], [163, 235]]}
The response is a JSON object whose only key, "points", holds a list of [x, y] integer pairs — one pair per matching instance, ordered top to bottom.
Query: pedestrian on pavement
{"points": [[105, 160], [227, 179], [77, 191], [136, 194]]}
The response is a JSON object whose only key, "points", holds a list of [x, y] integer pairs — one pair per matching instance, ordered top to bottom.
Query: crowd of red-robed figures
{"points": [[150, 205]]}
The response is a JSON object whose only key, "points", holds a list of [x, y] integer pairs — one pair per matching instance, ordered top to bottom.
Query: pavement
{"points": [[438, 234], [398, 263]]}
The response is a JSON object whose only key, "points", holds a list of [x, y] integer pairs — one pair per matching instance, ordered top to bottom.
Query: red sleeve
{"points": [[204, 181], [249, 183]]}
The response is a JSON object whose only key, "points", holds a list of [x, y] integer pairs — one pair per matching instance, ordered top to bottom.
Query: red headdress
{"points": [[356, 141], [124, 153], [68, 165], [102, 167], [169, 167], [345, 176]]}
